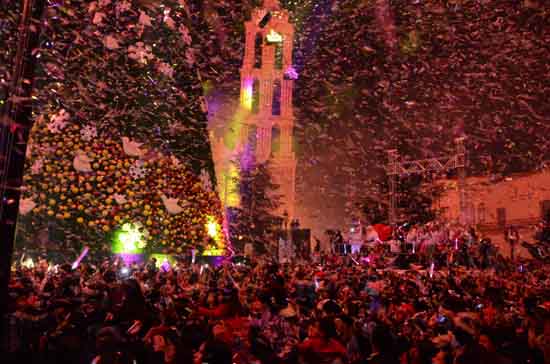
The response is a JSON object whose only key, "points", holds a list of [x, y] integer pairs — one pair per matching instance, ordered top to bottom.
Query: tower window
{"points": [[258, 44], [279, 56], [256, 96], [276, 102], [252, 138], [275, 140], [545, 209], [481, 211], [501, 217]]}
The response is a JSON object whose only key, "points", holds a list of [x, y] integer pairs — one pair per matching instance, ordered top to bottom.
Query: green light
{"points": [[213, 228], [128, 239], [213, 252]]}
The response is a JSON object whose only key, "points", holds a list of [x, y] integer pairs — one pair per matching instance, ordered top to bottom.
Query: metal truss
{"points": [[397, 168]]}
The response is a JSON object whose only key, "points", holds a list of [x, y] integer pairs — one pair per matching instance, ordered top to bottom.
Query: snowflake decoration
{"points": [[123, 6], [98, 18], [144, 19], [170, 23], [185, 35], [110, 42], [140, 52], [190, 57], [165, 69], [59, 121], [88, 133], [175, 161], [37, 166], [138, 171], [206, 181]]}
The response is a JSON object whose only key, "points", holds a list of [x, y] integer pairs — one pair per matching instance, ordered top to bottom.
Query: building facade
{"points": [[263, 122], [519, 200]]}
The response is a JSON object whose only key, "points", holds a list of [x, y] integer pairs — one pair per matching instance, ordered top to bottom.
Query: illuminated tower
{"points": [[267, 81], [266, 119]]}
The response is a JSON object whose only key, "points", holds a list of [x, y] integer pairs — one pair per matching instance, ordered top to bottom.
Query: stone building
{"points": [[520, 200]]}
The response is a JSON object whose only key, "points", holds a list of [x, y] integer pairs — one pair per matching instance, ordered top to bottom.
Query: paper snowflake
{"points": [[123, 6], [144, 19], [185, 35], [110, 42], [140, 52], [190, 56], [165, 69], [59, 121], [88, 133], [175, 161], [37, 166], [138, 171], [206, 181]]}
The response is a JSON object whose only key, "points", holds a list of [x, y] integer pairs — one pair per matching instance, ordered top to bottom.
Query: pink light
{"points": [[248, 93], [80, 257]]}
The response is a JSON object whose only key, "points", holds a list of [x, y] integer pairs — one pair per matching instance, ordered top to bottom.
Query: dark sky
{"points": [[410, 75]]}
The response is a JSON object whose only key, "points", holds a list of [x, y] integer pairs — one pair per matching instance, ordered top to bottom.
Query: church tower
{"points": [[267, 81]]}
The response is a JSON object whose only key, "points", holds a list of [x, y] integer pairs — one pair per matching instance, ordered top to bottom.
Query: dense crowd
{"points": [[330, 309]]}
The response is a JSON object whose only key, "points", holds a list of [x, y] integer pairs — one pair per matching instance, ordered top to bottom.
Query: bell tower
{"points": [[267, 82], [265, 117]]}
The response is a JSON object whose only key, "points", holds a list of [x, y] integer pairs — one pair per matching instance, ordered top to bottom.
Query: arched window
{"points": [[258, 44], [279, 55], [256, 96], [276, 101], [252, 138], [275, 140], [295, 146], [471, 211], [481, 211]]}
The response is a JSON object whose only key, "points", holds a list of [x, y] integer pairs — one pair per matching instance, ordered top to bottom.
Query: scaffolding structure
{"points": [[397, 168]]}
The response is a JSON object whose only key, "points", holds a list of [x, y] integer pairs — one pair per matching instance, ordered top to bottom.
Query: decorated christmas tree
{"points": [[119, 151]]}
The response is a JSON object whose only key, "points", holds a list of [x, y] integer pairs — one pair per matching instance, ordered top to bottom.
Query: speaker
{"points": [[301, 240]]}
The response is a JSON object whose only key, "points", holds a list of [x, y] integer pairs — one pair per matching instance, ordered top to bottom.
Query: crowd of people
{"points": [[447, 306]]}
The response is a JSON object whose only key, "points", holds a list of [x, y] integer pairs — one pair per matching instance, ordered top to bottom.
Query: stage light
{"points": [[248, 94], [213, 228], [128, 239], [29, 264]]}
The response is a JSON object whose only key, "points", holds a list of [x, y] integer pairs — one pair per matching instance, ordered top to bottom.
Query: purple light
{"points": [[291, 73], [130, 259]]}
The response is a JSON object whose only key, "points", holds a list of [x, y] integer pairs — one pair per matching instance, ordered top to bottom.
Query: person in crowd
{"points": [[512, 238], [471, 305]]}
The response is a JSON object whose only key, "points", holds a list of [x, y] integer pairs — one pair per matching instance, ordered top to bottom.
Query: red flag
{"points": [[384, 231]]}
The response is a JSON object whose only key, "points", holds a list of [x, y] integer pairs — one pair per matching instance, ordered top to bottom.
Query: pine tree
{"points": [[120, 133], [255, 220]]}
